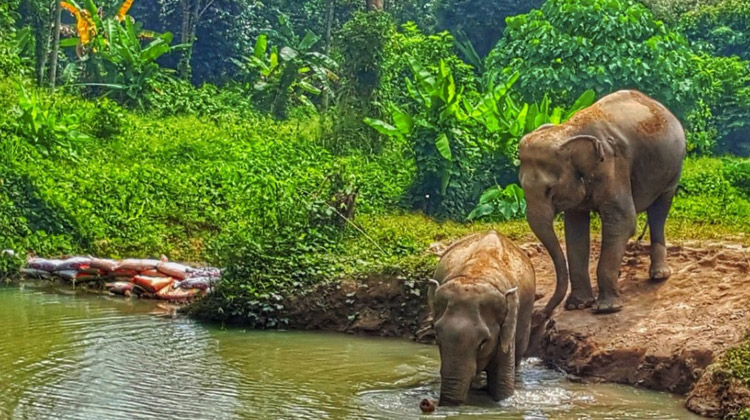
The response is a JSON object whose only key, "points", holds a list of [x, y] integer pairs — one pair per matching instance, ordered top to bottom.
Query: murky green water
{"points": [[89, 357]]}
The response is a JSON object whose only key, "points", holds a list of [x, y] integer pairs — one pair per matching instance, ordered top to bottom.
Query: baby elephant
{"points": [[481, 301]]}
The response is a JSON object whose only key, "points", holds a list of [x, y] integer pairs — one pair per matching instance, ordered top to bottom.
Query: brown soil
{"points": [[668, 333], [664, 339]]}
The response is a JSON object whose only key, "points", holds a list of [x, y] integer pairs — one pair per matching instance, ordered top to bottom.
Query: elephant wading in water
{"points": [[620, 156], [481, 300]]}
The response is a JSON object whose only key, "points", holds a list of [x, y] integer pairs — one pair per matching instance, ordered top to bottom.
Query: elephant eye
{"points": [[547, 192], [481, 345]]}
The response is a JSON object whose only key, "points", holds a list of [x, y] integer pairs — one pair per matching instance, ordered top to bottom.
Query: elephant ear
{"points": [[586, 152], [508, 332]]}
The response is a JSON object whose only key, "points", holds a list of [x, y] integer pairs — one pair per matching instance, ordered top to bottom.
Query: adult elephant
{"points": [[620, 156], [481, 300]]}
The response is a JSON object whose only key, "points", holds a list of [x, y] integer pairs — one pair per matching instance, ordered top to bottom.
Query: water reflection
{"points": [[87, 357]]}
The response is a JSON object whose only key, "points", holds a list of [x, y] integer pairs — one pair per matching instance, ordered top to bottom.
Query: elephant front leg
{"points": [[618, 225], [578, 245], [501, 374]]}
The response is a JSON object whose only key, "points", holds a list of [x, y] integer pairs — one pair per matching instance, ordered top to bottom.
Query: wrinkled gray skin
{"points": [[621, 156], [482, 314]]}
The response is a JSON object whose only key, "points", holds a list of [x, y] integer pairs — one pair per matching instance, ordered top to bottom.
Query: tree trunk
{"points": [[374, 4], [329, 24], [43, 35], [186, 38], [55, 48]]}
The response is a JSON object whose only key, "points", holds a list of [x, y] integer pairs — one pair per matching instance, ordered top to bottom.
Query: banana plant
{"points": [[112, 51], [292, 73]]}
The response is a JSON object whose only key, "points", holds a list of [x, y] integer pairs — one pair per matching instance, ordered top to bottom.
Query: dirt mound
{"points": [[381, 305], [667, 333]]}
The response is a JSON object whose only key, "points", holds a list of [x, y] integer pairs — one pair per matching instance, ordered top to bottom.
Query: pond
{"points": [[80, 356]]}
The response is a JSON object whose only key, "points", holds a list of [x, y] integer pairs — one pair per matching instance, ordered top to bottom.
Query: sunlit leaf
{"points": [[443, 146]]}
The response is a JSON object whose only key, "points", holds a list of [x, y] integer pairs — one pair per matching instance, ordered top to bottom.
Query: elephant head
{"points": [[557, 173], [475, 328]]}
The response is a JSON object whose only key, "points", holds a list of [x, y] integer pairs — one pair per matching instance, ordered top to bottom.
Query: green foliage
{"points": [[672, 10], [483, 21], [722, 28], [362, 43], [608, 45], [566, 47], [429, 50], [9, 61], [116, 62], [290, 73], [178, 97], [720, 118], [108, 119], [43, 125], [462, 140], [245, 192], [711, 192], [500, 203], [736, 362]]}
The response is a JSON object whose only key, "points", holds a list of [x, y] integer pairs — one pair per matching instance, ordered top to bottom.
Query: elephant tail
{"points": [[643, 232]]}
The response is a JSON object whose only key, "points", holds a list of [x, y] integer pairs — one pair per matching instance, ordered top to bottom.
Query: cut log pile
{"points": [[146, 278]]}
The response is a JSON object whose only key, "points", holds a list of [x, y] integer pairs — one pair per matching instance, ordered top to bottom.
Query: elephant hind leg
{"points": [[657, 219]]}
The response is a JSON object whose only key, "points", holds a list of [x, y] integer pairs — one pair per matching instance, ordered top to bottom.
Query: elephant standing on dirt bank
{"points": [[621, 156], [481, 300]]}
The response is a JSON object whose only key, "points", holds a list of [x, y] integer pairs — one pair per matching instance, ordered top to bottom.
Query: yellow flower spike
{"points": [[123, 10]]}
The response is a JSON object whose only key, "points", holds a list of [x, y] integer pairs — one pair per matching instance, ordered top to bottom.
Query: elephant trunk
{"points": [[541, 223], [455, 383]]}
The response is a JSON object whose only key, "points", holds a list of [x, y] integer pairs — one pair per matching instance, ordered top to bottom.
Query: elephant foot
{"points": [[660, 272], [574, 302], [608, 305]]}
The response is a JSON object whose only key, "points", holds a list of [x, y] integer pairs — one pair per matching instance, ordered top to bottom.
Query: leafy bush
{"points": [[672, 10], [483, 21], [722, 28], [361, 44], [605, 45], [608, 45], [428, 50], [113, 59], [9, 61], [289, 74], [176, 97], [720, 119], [107, 120], [43, 125], [462, 140], [709, 193], [501, 203]]}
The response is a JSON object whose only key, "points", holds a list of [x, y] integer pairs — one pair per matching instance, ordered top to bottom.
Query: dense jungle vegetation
{"points": [[295, 142]]}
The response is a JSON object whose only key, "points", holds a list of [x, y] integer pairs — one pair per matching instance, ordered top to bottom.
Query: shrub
{"points": [[483, 21], [722, 28], [607, 45], [114, 60], [9, 61], [289, 72], [722, 113], [462, 140], [709, 193]]}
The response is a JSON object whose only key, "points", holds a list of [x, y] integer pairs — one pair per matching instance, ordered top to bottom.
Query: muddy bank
{"points": [[665, 339]]}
